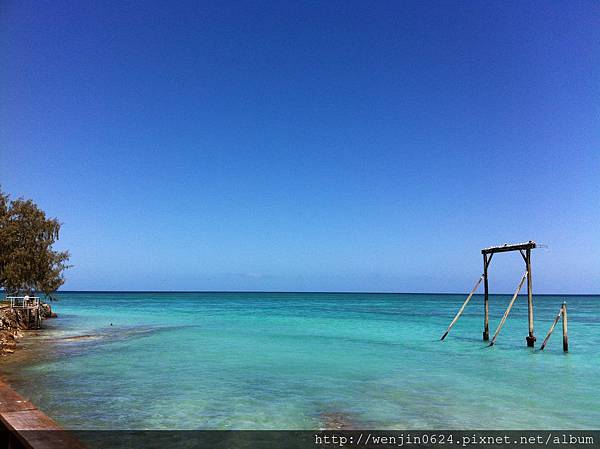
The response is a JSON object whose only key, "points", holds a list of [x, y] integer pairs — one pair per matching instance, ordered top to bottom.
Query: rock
{"points": [[46, 311], [12, 321], [81, 337], [7, 342], [337, 421]]}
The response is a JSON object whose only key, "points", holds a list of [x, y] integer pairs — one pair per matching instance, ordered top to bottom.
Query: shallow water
{"points": [[305, 360]]}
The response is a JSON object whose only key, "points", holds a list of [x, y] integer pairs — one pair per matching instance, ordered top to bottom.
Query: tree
{"points": [[28, 263]]}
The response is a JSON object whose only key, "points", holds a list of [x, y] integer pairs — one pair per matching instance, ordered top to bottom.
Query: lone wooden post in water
{"points": [[562, 312], [565, 336], [545, 342]]}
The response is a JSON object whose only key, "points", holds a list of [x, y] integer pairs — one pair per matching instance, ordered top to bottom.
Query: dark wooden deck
{"points": [[23, 426]]}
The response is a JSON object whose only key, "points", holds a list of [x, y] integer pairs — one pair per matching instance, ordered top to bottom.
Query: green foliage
{"points": [[27, 261]]}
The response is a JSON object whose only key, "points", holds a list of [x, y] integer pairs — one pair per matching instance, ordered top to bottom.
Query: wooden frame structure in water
{"points": [[525, 251]]}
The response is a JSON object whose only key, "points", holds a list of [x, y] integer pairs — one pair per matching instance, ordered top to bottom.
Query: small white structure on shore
{"points": [[32, 306]]}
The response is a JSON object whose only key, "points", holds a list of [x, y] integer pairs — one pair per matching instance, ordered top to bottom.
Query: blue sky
{"points": [[348, 146]]}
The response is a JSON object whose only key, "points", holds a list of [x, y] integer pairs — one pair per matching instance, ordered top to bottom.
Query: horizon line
{"points": [[313, 292]]}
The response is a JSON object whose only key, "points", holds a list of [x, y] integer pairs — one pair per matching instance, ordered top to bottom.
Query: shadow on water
{"points": [[38, 346]]}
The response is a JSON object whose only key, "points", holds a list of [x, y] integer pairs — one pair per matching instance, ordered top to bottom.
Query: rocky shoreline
{"points": [[13, 322]]}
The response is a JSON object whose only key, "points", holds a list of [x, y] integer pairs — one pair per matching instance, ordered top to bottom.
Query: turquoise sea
{"points": [[306, 361]]}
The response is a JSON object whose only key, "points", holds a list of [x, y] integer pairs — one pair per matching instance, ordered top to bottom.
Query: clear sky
{"points": [[326, 145]]}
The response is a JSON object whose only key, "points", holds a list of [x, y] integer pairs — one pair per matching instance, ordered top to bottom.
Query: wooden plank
{"points": [[509, 247], [489, 260], [512, 301], [460, 311], [551, 329], [11, 401], [28, 420], [25, 426], [34, 430]]}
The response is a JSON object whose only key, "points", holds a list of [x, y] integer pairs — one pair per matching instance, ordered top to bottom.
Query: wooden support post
{"points": [[512, 301], [486, 309], [460, 311], [564, 320], [551, 329], [530, 337]]}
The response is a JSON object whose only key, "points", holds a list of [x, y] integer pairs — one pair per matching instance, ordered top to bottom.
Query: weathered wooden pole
{"points": [[512, 301], [486, 309], [460, 311], [564, 320], [551, 329], [530, 338]]}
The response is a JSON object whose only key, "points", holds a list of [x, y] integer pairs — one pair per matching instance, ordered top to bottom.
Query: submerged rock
{"points": [[81, 337], [337, 421]]}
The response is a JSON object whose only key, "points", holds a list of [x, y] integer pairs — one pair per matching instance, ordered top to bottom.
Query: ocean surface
{"points": [[306, 361]]}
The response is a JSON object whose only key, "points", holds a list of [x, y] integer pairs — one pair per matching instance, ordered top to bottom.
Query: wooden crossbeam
{"points": [[509, 247]]}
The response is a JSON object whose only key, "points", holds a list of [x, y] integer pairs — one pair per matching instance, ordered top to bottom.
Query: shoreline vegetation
{"points": [[29, 264]]}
